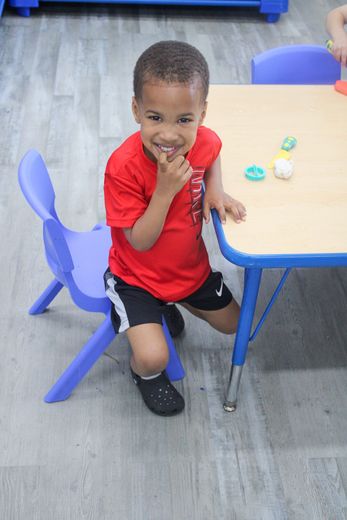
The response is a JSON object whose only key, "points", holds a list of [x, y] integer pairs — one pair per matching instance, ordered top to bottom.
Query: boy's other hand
{"points": [[339, 49], [172, 175], [222, 202], [236, 208]]}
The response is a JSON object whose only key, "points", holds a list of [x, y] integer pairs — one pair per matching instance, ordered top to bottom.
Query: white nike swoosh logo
{"points": [[219, 293]]}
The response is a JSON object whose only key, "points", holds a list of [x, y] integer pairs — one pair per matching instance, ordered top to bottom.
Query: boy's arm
{"points": [[335, 22], [171, 177], [215, 197], [146, 230]]}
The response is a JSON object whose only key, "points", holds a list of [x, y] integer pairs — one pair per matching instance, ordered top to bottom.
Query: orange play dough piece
{"points": [[341, 86]]}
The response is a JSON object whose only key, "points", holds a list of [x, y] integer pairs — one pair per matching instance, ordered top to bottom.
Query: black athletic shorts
{"points": [[135, 306]]}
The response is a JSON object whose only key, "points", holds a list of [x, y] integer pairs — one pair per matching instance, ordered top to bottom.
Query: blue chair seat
{"points": [[89, 251]]}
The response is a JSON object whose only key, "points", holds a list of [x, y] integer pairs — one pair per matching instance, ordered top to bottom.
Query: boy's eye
{"points": [[154, 118], [184, 120]]}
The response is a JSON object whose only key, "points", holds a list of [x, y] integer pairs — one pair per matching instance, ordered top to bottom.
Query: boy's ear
{"points": [[136, 110], [203, 114]]}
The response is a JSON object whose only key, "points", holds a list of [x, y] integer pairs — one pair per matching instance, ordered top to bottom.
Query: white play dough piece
{"points": [[283, 168]]}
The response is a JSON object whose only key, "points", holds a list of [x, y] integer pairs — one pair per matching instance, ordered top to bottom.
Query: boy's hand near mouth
{"points": [[172, 175]]}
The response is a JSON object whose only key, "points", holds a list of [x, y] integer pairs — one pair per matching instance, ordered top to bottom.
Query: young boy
{"points": [[335, 22], [153, 198]]}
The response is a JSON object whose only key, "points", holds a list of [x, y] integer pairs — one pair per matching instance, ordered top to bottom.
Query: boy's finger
{"points": [[337, 54], [162, 158], [179, 161], [187, 168], [187, 174], [206, 212], [238, 212], [242, 212], [221, 213], [239, 217]]}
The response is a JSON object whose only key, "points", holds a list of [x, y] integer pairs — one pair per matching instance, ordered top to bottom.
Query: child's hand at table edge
{"points": [[339, 49], [222, 203]]}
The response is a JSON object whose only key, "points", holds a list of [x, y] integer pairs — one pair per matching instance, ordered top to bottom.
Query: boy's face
{"points": [[169, 115]]}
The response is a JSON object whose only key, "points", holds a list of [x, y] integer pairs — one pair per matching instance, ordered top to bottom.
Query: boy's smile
{"points": [[170, 115]]}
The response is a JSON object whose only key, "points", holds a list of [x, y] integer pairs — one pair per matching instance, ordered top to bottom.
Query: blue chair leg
{"points": [[23, 11], [272, 17], [46, 297], [249, 301], [83, 362], [174, 369]]}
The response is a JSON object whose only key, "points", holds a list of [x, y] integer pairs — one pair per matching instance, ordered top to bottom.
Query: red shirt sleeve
{"points": [[206, 148], [125, 199]]}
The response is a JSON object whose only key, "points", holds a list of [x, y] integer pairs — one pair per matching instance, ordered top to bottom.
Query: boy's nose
{"points": [[168, 135]]}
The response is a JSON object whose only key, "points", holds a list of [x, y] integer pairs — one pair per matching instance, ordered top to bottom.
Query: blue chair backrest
{"points": [[296, 65], [36, 185], [37, 188], [57, 250]]}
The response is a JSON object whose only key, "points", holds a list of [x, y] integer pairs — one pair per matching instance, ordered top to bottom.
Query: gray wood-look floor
{"points": [[65, 86]]}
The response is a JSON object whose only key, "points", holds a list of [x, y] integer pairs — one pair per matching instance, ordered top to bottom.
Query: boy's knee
{"points": [[226, 328], [229, 328], [150, 351], [153, 361]]}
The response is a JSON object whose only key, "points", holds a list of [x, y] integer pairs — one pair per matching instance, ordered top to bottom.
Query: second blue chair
{"points": [[295, 65], [77, 261]]}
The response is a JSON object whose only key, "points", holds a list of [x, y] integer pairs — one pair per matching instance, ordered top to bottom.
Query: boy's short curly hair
{"points": [[171, 61]]}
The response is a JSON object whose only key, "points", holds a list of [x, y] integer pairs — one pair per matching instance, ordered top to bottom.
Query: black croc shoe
{"points": [[174, 319], [159, 394]]}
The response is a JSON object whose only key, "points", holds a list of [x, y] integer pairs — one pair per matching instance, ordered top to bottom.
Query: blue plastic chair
{"points": [[295, 65], [77, 261]]}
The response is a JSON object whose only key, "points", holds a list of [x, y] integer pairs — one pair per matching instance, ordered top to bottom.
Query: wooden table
{"points": [[299, 222]]}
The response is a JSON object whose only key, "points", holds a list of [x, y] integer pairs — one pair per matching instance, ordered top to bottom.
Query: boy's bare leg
{"points": [[224, 320], [149, 347]]}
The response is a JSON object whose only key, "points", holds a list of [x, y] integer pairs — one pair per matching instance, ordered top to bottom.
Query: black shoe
{"points": [[174, 319], [159, 394]]}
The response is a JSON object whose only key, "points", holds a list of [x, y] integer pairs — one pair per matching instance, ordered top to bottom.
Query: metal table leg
{"points": [[249, 301]]}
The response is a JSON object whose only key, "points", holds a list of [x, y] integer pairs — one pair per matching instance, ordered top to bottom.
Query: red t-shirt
{"points": [[177, 264]]}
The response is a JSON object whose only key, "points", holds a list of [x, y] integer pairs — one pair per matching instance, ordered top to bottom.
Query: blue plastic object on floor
{"points": [[296, 65], [78, 261]]}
